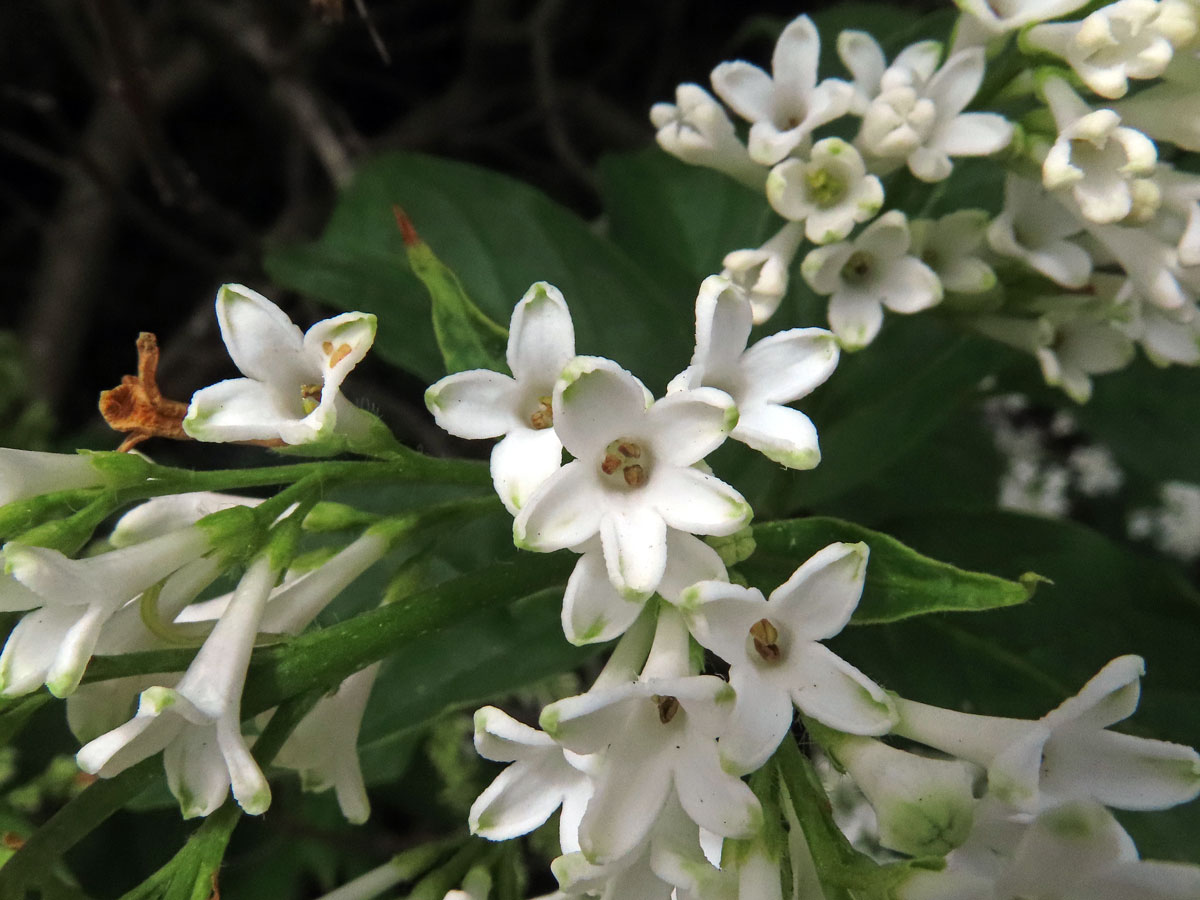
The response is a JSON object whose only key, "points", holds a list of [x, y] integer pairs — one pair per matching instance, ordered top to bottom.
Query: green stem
{"points": [[410, 467], [406, 866]]}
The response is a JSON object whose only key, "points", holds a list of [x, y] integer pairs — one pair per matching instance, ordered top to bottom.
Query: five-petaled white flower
{"points": [[1126, 39], [784, 109], [922, 123], [1094, 156], [830, 193], [874, 270], [777, 370], [291, 391], [486, 404], [633, 474], [775, 658], [1069, 754]]}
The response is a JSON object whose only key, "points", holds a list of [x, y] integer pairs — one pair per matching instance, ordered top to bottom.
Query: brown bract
{"points": [[137, 408]]}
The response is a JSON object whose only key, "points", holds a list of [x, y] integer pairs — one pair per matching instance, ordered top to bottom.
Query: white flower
{"points": [[999, 16], [1126, 39], [863, 56], [784, 109], [1170, 110], [922, 123], [696, 129], [1094, 155], [830, 193], [1179, 213], [1035, 228], [950, 247], [1152, 265], [763, 273], [864, 275], [1167, 336], [775, 371], [292, 388], [486, 404], [28, 473], [633, 474], [162, 514], [594, 610], [53, 643], [775, 658], [198, 724], [659, 736], [324, 746], [1068, 754], [541, 778], [923, 806], [1072, 852], [668, 864]]}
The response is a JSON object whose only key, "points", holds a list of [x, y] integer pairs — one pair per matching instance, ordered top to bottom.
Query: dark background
{"points": [[149, 151]]}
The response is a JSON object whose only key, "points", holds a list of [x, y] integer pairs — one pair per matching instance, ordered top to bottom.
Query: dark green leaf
{"points": [[677, 220], [499, 236], [467, 338], [901, 583]]}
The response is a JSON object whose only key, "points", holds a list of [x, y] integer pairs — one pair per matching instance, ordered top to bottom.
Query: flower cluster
{"points": [[1098, 229], [645, 765]]}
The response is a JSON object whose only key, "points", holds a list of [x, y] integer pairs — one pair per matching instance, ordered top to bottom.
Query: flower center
{"points": [[824, 188], [858, 267], [310, 397], [542, 417], [625, 462], [766, 640], [667, 708]]}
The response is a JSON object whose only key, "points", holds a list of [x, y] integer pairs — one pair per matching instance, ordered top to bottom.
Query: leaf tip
{"points": [[408, 231], [1030, 581]]}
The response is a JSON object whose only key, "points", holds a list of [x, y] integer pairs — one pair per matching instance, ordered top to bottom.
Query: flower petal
{"points": [[794, 62], [956, 82], [745, 88], [973, 134], [911, 286], [855, 317], [723, 321], [541, 335], [261, 339], [340, 343], [788, 365], [596, 402], [475, 404], [241, 409], [686, 426], [781, 434], [522, 462], [695, 502], [563, 512], [635, 549], [689, 560], [822, 594], [593, 609], [837, 694], [1110, 696], [762, 716], [1121, 770], [196, 772], [630, 791], [714, 799], [519, 800]]}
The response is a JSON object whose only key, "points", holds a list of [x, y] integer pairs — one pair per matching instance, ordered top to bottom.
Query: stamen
{"points": [[336, 356], [310, 397], [542, 417], [627, 456], [610, 464], [635, 476], [766, 640], [667, 708]]}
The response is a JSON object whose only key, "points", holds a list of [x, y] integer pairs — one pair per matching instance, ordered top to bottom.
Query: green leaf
{"points": [[677, 220], [499, 236], [467, 338], [1147, 417], [900, 584], [1105, 601], [483, 657]]}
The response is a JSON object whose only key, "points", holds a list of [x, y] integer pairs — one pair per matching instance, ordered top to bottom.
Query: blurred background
{"points": [[151, 151]]}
